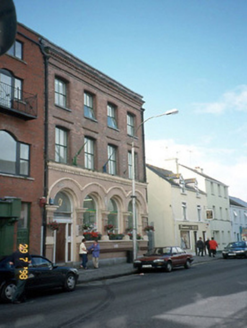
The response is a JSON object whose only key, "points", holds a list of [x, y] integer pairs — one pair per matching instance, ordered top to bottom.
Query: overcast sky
{"points": [[184, 54]]}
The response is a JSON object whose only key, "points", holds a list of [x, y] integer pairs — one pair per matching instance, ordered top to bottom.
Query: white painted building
{"points": [[176, 209], [217, 211], [238, 215]]}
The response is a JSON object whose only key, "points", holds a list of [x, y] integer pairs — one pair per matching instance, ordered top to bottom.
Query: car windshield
{"points": [[237, 244], [160, 251], [4, 263]]}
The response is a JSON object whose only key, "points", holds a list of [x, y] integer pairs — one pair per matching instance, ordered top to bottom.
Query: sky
{"points": [[184, 54]]}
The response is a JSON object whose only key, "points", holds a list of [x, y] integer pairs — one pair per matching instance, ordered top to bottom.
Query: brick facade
{"points": [[29, 69], [77, 182]]}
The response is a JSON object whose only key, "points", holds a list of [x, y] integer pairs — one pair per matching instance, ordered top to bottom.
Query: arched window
{"points": [[14, 155], [64, 205], [113, 215], [90, 217]]}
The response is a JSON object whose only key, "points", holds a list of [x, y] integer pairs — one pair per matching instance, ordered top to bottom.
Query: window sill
{"points": [[17, 58], [64, 108], [91, 119], [115, 129], [16, 176]]}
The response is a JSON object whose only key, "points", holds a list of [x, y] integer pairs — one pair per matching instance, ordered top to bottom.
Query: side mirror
{"points": [[8, 25]]}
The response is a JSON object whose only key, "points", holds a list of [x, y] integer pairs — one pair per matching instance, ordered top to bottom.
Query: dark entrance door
{"points": [[6, 237], [60, 244]]}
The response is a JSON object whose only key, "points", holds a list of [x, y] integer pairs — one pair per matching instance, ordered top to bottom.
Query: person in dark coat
{"points": [[200, 246], [207, 246], [20, 260]]}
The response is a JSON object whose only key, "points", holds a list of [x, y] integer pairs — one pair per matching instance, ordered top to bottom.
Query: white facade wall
{"points": [[218, 201], [166, 211], [238, 216]]}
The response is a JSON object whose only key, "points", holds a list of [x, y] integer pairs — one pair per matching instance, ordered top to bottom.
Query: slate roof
{"points": [[203, 174], [166, 175], [237, 201]]}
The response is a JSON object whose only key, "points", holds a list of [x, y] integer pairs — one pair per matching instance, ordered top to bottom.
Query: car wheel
{"points": [[187, 264], [169, 266], [70, 282], [8, 291]]}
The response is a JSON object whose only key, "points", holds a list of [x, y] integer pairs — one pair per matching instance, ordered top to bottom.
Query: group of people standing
{"points": [[209, 245], [83, 251]]}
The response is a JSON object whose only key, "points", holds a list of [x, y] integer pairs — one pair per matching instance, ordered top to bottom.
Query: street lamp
{"points": [[134, 232]]}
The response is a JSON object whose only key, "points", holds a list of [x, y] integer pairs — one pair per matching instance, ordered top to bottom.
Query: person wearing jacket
{"points": [[200, 246], [207, 246], [212, 247], [95, 248], [83, 254], [20, 259]]}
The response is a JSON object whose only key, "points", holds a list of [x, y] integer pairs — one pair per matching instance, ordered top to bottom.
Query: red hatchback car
{"points": [[167, 257]]}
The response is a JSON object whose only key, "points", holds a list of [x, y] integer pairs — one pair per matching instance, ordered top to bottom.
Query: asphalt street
{"points": [[209, 295]]}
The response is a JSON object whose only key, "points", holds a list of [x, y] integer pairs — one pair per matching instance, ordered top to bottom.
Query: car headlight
{"points": [[239, 252], [158, 260], [137, 261]]}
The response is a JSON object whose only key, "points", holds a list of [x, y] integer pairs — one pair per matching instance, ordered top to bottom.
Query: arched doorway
{"points": [[63, 236]]}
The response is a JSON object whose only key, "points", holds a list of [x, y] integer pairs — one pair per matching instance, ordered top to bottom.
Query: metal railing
{"points": [[18, 101]]}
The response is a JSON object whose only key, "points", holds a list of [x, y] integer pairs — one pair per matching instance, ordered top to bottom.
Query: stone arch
{"points": [[69, 186], [140, 200]]}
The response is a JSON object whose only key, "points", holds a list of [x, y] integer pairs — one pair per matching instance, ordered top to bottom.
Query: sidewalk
{"points": [[124, 269]]}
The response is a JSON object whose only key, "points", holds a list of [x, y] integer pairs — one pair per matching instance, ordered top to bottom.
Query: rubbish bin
{"points": [[129, 256]]}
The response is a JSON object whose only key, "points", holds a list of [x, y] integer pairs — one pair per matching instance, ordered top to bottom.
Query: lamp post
{"points": [[134, 232]]}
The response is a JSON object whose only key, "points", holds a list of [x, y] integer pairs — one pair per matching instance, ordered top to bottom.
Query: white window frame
{"points": [[16, 50], [60, 93], [89, 105], [111, 116], [130, 124], [61, 145], [89, 152], [17, 159], [112, 159], [184, 211], [199, 213]]}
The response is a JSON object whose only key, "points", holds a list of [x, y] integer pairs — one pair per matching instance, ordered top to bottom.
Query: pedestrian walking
{"points": [[200, 246], [207, 246], [212, 247], [95, 248], [83, 254], [20, 259]]}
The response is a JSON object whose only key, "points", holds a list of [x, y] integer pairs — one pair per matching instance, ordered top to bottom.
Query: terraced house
{"points": [[91, 123], [66, 133], [21, 143], [217, 211]]}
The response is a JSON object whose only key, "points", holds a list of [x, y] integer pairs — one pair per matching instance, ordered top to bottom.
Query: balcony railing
{"points": [[14, 101]]}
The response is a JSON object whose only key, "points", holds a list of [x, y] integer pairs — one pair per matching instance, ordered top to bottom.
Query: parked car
{"points": [[235, 249], [167, 257], [43, 274]]}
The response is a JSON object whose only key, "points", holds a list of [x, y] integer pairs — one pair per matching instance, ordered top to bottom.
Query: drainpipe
{"points": [[46, 59]]}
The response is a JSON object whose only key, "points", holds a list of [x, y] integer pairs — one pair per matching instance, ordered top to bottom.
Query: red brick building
{"points": [[92, 122], [66, 134], [21, 142]]}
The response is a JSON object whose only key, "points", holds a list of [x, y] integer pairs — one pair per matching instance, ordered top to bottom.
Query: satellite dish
{"points": [[8, 25]]}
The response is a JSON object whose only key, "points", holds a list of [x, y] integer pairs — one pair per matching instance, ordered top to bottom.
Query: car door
{"points": [[175, 256], [182, 257], [42, 269]]}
